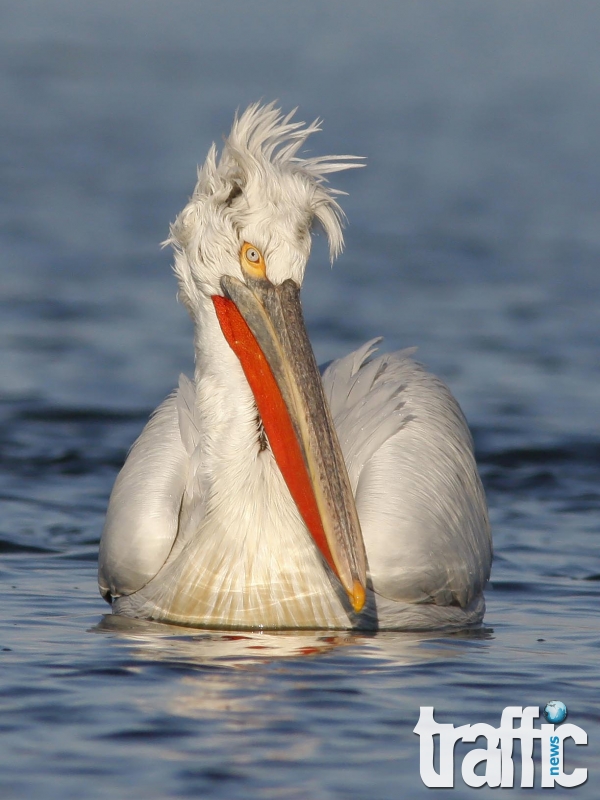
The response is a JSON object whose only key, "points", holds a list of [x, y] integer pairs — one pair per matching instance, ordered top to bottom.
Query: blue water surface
{"points": [[474, 234]]}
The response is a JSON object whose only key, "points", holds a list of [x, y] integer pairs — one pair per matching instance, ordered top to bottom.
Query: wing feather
{"points": [[365, 402], [409, 455], [143, 513]]}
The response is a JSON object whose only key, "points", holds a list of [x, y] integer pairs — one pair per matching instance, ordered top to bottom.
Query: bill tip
{"points": [[357, 598]]}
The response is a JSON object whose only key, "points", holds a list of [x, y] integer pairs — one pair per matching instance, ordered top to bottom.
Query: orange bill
{"points": [[263, 325]]}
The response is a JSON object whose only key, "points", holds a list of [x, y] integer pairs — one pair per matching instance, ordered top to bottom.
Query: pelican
{"points": [[261, 494]]}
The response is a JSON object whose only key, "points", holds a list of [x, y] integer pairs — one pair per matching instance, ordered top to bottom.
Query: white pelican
{"points": [[260, 495]]}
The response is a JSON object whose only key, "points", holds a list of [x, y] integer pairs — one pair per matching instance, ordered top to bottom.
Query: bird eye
{"points": [[252, 261]]}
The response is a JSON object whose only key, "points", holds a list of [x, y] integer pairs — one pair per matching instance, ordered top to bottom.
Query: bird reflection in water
{"points": [[166, 643]]}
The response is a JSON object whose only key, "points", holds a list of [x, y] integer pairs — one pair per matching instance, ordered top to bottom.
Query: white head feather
{"points": [[261, 192]]}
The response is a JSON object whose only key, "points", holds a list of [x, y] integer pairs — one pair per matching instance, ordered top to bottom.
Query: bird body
{"points": [[260, 495]]}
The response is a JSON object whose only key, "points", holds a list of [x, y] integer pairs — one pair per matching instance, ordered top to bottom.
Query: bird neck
{"points": [[229, 422], [244, 556]]}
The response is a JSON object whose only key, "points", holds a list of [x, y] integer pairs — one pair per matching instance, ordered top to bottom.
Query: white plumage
{"points": [[202, 528]]}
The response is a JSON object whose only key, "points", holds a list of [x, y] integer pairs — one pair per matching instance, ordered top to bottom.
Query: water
{"points": [[473, 234]]}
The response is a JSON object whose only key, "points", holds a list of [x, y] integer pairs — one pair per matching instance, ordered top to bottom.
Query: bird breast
{"points": [[250, 563]]}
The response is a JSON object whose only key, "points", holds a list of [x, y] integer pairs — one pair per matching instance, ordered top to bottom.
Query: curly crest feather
{"points": [[260, 177]]}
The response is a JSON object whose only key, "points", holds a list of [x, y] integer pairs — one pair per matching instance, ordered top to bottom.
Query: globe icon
{"points": [[555, 711]]}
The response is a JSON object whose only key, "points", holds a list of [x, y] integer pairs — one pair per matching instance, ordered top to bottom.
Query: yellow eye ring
{"points": [[252, 261]]}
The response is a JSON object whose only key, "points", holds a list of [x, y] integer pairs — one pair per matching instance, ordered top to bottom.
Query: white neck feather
{"points": [[245, 557]]}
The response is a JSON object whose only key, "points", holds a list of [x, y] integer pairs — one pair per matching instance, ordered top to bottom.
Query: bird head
{"points": [[258, 192], [241, 248]]}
